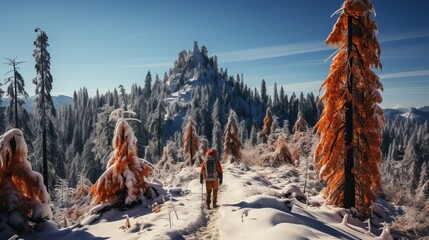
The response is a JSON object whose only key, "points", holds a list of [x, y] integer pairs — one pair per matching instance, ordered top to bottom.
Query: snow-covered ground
{"points": [[251, 207]]}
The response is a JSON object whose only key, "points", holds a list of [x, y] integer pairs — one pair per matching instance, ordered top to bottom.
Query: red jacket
{"points": [[219, 166]]}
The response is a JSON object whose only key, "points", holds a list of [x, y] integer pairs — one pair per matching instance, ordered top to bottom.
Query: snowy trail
{"points": [[229, 194], [211, 229]]}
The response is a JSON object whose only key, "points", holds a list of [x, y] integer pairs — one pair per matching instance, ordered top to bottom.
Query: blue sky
{"points": [[101, 44]]}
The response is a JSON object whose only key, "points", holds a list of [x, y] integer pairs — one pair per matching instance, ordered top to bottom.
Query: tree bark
{"points": [[349, 181]]}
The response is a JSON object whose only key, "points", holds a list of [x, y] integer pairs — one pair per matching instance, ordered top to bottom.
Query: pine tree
{"points": [[147, 90], [15, 91], [264, 95], [123, 97], [276, 99], [351, 113], [2, 115], [268, 120], [300, 125], [156, 127], [266, 128], [217, 134], [253, 136], [103, 137], [191, 142], [46, 143], [232, 144], [281, 154], [91, 168], [125, 173]]}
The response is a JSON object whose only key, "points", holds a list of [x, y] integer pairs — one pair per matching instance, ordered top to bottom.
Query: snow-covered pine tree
{"points": [[147, 90], [264, 95], [276, 99], [124, 100], [293, 108], [351, 112], [2, 115], [18, 116], [268, 120], [300, 125], [156, 127], [286, 128], [242, 131], [217, 134], [253, 136], [103, 137], [191, 141], [232, 144], [46, 146], [281, 153], [411, 162], [166, 164], [91, 168], [125, 173], [22, 192]]}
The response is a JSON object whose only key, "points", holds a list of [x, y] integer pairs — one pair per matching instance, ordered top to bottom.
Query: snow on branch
{"points": [[125, 173], [23, 195]]}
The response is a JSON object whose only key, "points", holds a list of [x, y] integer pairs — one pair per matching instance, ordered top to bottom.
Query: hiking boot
{"points": [[208, 206], [215, 206]]}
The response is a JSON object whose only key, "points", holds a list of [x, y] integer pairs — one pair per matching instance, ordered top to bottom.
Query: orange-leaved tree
{"points": [[268, 121], [191, 142], [232, 144], [348, 155], [125, 173], [23, 195]]}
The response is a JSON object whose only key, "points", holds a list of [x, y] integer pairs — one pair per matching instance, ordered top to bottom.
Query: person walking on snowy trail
{"points": [[211, 172]]}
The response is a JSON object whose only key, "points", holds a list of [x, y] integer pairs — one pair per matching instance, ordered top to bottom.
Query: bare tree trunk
{"points": [[16, 96], [44, 147], [349, 181]]}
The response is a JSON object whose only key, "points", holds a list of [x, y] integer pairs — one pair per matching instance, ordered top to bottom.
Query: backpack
{"points": [[211, 168]]}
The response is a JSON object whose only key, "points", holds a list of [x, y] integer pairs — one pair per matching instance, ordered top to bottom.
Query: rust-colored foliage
{"points": [[367, 115], [268, 121], [300, 125], [191, 142], [232, 144], [282, 153], [124, 177], [20, 186], [82, 188]]}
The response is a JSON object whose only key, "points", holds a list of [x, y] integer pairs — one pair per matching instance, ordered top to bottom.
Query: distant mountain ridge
{"points": [[30, 103], [415, 115]]}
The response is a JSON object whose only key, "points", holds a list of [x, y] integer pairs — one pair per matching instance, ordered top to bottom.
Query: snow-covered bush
{"points": [[280, 155], [293, 191], [23, 195], [414, 222]]}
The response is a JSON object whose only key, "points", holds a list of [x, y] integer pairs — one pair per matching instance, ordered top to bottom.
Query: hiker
{"points": [[212, 171]]}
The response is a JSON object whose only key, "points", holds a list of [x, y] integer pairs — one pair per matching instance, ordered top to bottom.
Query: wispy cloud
{"points": [[137, 35], [391, 37], [272, 51], [410, 51], [418, 73]]}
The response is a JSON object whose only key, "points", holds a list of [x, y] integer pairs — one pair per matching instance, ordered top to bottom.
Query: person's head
{"points": [[211, 152]]}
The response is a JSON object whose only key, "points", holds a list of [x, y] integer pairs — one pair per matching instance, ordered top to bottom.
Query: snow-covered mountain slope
{"points": [[195, 82], [415, 115]]}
